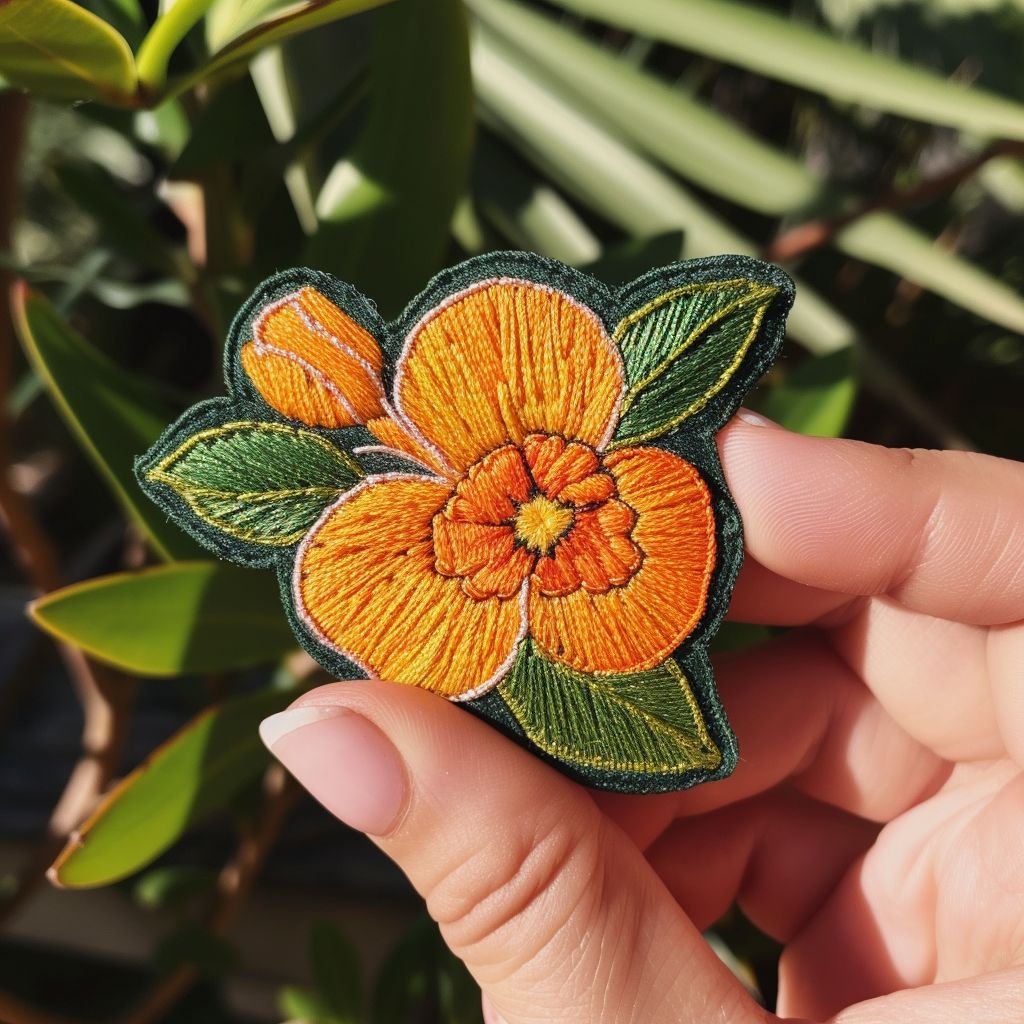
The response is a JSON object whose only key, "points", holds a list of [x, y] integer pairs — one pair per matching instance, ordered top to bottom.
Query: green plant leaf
{"points": [[126, 16], [280, 25], [775, 46], [60, 51], [232, 126], [686, 135], [386, 208], [123, 225], [889, 242], [628, 260], [680, 350], [816, 398], [113, 416], [266, 483], [172, 619], [636, 721], [195, 772], [174, 886], [193, 945], [337, 972], [299, 1004]]}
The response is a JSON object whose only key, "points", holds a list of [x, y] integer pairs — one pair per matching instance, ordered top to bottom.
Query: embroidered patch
{"points": [[510, 496]]}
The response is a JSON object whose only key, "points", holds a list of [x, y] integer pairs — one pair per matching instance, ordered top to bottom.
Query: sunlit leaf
{"points": [[126, 16], [294, 18], [779, 47], [60, 51], [688, 136], [386, 227], [816, 398], [113, 416], [172, 619], [635, 721], [195, 772]]}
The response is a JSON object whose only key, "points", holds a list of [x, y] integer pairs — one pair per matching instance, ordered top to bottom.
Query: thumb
{"points": [[554, 911]]}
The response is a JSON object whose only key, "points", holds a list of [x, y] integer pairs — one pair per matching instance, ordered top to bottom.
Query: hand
{"points": [[875, 823]]}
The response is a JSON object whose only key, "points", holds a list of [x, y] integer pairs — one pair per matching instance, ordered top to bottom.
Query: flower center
{"points": [[540, 522]]}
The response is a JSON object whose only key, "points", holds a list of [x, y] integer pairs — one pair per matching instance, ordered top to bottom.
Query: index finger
{"points": [[941, 532]]}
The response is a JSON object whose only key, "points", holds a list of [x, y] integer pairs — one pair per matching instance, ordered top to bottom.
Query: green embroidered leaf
{"points": [[681, 349], [262, 482], [172, 619], [636, 721], [200, 768]]}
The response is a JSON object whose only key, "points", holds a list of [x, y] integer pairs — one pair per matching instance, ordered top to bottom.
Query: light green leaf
{"points": [[126, 16], [281, 25], [169, 29], [765, 42], [61, 51], [686, 135], [412, 157], [889, 242], [682, 349], [816, 398], [113, 416], [266, 483], [172, 619], [637, 721], [197, 771], [337, 972], [299, 1004]]}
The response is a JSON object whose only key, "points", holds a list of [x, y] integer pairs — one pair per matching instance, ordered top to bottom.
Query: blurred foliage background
{"points": [[157, 160]]}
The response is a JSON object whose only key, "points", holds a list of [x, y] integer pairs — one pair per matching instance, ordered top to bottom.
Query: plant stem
{"points": [[155, 52], [280, 792]]}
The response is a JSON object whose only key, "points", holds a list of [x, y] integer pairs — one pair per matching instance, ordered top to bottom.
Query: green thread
{"points": [[706, 331], [261, 482], [634, 721]]}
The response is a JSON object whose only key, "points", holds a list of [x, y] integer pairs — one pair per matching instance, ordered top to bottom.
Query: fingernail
{"points": [[755, 419], [344, 761]]}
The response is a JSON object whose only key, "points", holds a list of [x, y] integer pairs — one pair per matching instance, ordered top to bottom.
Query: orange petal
{"points": [[505, 359], [313, 363], [395, 436], [571, 465], [494, 484], [591, 490], [486, 556], [365, 585], [637, 626]]}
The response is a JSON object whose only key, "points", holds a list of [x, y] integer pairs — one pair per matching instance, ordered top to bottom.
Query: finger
{"points": [[941, 532], [766, 597], [934, 677], [800, 714], [779, 855], [938, 896], [553, 910], [993, 998]]}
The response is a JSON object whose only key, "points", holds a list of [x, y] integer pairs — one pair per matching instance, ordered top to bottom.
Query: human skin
{"points": [[874, 824]]}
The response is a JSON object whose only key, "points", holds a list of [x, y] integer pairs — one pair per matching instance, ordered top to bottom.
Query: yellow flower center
{"points": [[540, 522]]}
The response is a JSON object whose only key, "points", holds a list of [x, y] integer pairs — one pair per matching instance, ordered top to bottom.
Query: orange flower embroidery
{"points": [[522, 522]]}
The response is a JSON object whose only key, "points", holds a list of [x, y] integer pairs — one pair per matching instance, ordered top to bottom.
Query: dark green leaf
{"points": [[60, 51], [232, 126], [386, 209], [122, 224], [682, 349], [816, 398], [113, 415], [261, 482], [173, 619], [635, 721], [196, 771], [173, 886], [194, 946], [337, 972]]}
